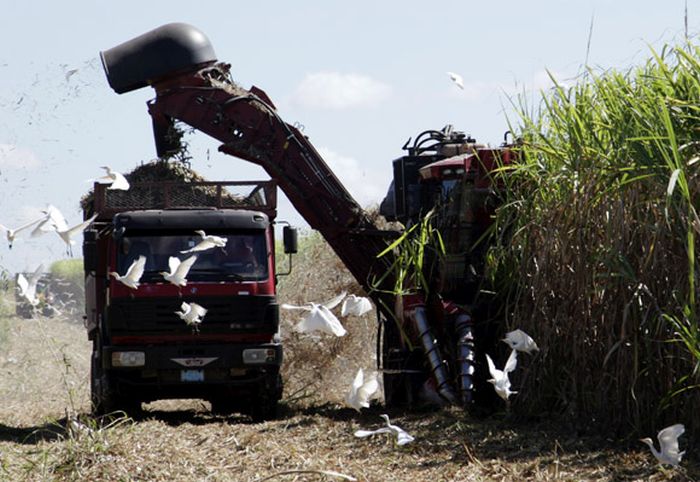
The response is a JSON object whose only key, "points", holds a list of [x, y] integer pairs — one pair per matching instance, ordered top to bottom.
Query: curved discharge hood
{"points": [[168, 50]]}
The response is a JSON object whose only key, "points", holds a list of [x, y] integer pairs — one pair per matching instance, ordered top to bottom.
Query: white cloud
{"points": [[333, 90], [12, 156], [367, 187]]}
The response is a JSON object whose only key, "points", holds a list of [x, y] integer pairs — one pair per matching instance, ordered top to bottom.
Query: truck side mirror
{"points": [[289, 237]]}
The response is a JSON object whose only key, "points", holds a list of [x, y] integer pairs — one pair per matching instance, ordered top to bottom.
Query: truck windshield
{"points": [[243, 258]]}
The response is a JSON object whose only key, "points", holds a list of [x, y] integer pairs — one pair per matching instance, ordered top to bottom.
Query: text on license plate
{"points": [[191, 375]]}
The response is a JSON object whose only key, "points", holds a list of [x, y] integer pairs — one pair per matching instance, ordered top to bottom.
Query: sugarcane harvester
{"points": [[426, 332]]}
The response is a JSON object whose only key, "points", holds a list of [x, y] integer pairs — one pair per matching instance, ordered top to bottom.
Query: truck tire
{"points": [[100, 393], [104, 400], [266, 405]]}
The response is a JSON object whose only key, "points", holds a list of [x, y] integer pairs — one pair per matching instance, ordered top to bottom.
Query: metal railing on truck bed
{"points": [[251, 195]]}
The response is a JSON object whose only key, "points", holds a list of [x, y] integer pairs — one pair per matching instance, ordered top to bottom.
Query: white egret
{"points": [[457, 79], [115, 179], [53, 221], [67, 233], [11, 234], [208, 241], [178, 270], [133, 273], [27, 288], [355, 305], [192, 314], [320, 317], [520, 341], [499, 378], [362, 390], [402, 437], [668, 442]]}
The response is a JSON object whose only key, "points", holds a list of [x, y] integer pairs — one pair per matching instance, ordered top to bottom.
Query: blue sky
{"points": [[361, 77]]}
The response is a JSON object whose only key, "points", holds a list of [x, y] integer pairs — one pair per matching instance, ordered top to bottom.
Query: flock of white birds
{"points": [[319, 316]]}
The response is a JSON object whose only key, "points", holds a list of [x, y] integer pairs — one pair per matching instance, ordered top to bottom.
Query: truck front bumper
{"points": [[202, 371]]}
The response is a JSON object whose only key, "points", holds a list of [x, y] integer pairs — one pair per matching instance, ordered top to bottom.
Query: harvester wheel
{"points": [[401, 368]]}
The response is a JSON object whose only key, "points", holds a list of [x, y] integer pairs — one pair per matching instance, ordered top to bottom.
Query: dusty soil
{"points": [[47, 434]]}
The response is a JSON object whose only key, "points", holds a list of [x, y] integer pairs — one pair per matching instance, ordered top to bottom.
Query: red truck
{"points": [[142, 350]]}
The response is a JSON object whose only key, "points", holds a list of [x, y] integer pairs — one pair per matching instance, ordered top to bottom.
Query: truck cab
{"points": [[142, 350]]}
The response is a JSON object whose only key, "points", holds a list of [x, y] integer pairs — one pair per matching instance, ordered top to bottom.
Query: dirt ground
{"points": [[47, 434]]}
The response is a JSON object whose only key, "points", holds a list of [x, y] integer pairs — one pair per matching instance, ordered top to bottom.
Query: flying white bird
{"points": [[457, 79], [114, 178], [53, 221], [67, 233], [11, 234], [208, 241], [178, 270], [133, 273], [27, 289], [355, 305], [192, 314], [320, 317], [520, 341], [499, 378], [362, 390], [402, 437], [668, 441]]}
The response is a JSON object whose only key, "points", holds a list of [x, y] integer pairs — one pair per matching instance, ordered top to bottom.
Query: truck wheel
{"points": [[100, 395], [104, 400], [266, 405]]}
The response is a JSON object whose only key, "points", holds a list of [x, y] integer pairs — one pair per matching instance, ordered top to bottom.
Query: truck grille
{"points": [[226, 314]]}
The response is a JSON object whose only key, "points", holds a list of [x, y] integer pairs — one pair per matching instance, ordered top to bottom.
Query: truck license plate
{"points": [[191, 375]]}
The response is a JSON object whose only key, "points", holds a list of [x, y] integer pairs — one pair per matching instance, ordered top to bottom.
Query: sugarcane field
{"points": [[306, 243]]}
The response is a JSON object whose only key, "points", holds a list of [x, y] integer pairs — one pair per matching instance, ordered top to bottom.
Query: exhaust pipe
{"points": [[167, 51]]}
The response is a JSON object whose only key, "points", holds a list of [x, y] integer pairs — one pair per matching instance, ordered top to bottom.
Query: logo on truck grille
{"points": [[194, 362]]}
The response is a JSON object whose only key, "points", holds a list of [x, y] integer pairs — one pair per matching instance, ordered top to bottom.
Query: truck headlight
{"points": [[252, 356], [128, 359]]}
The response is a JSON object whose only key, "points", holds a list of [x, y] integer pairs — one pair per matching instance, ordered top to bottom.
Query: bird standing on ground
{"points": [[457, 79], [115, 179], [11, 234], [208, 241], [178, 270], [133, 273], [27, 289], [355, 305], [192, 314], [320, 317], [520, 341], [499, 378], [362, 390], [402, 437], [668, 442]]}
